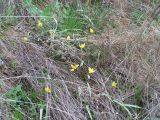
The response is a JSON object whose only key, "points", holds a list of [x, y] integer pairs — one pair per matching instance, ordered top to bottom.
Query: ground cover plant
{"points": [[78, 60]]}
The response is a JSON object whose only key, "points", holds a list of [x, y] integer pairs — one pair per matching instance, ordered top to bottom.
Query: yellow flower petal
{"points": [[39, 24], [92, 31], [68, 37], [25, 40], [82, 45], [74, 67], [72, 70], [91, 70], [114, 84], [47, 89]]}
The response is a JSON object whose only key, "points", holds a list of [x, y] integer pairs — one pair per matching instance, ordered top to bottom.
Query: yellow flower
{"points": [[39, 24], [92, 30], [68, 37], [25, 40], [82, 45], [74, 67], [91, 70], [114, 84], [47, 89]]}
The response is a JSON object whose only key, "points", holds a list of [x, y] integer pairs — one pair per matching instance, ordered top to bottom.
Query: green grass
{"points": [[138, 17], [71, 19], [7, 22], [71, 22], [21, 101]]}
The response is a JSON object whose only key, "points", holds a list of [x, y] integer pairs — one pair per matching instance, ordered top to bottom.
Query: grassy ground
{"points": [[79, 62]]}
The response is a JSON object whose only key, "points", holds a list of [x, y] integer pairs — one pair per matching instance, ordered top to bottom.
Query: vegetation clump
{"points": [[67, 60]]}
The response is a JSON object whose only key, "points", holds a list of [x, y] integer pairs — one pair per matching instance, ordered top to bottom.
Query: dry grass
{"points": [[131, 58]]}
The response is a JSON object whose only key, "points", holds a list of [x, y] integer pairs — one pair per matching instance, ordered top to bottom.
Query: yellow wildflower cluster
{"points": [[91, 30], [82, 45], [75, 67]]}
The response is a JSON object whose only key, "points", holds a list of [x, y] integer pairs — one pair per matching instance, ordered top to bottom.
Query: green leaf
{"points": [[32, 9], [47, 11], [126, 105], [89, 112], [18, 115]]}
